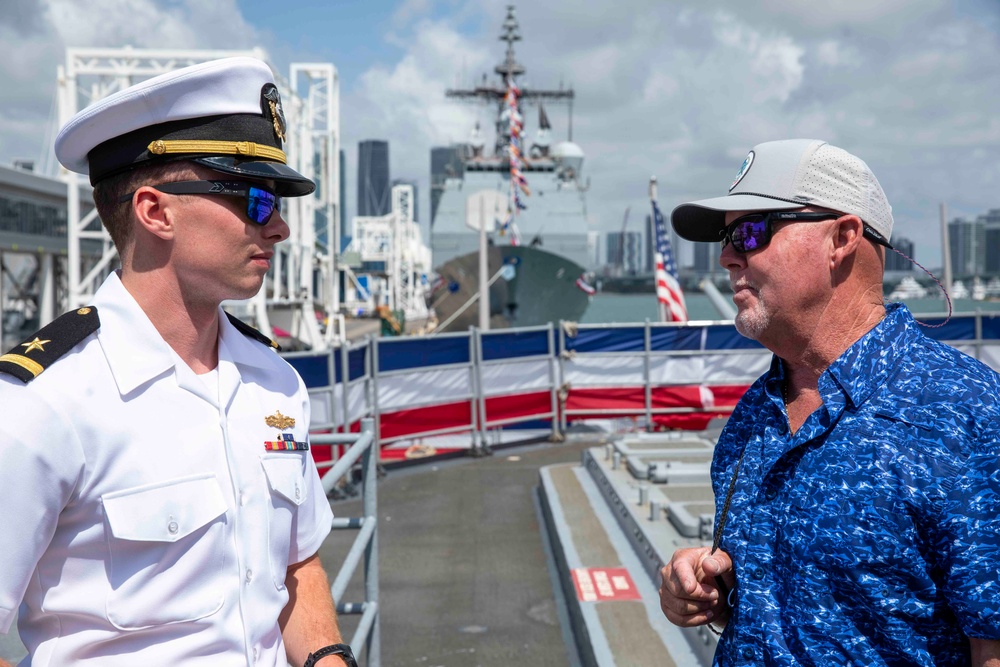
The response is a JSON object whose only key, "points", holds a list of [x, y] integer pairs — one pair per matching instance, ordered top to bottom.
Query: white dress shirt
{"points": [[144, 521]]}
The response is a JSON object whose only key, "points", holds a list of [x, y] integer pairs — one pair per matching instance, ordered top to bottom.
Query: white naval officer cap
{"points": [[224, 114], [790, 174]]}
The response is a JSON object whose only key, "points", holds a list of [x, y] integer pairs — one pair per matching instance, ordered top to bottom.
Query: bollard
{"points": [[607, 451], [616, 460], [643, 495], [654, 510]]}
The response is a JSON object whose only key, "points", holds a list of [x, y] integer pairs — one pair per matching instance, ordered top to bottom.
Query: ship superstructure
{"points": [[546, 210]]}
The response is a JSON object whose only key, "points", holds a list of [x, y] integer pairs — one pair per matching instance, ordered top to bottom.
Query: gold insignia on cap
{"points": [[270, 94], [279, 127], [213, 147], [83, 311], [35, 345], [279, 421]]}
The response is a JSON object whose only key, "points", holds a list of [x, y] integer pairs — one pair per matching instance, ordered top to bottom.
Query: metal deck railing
{"points": [[364, 551]]}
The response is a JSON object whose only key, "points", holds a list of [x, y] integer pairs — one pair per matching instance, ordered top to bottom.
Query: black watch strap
{"points": [[343, 650]]}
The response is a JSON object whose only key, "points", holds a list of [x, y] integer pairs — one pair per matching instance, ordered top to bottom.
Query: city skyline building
{"points": [[374, 190], [650, 231], [345, 237], [991, 240], [966, 243], [974, 245], [625, 252], [706, 258], [896, 262]]}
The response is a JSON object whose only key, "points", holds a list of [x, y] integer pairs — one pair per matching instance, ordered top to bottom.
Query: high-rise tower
{"points": [[373, 178]]}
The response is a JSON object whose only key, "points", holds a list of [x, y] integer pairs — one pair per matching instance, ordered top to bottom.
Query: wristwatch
{"points": [[343, 650]]}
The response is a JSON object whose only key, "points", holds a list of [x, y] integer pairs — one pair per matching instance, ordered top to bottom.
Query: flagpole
{"points": [[661, 307]]}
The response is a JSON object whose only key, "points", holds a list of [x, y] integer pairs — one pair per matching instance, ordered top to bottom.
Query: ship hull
{"points": [[538, 288]]}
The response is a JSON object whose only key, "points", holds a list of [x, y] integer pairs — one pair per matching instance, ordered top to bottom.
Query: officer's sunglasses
{"points": [[261, 203], [754, 231]]}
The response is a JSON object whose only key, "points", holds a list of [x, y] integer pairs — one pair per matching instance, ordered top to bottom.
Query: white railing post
{"points": [[647, 338], [369, 465], [364, 550]]}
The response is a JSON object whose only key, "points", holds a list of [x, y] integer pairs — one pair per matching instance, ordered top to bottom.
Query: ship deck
{"points": [[465, 576]]}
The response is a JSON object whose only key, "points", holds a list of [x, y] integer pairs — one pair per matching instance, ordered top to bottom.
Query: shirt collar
{"points": [[240, 350], [135, 351], [866, 365], [863, 367]]}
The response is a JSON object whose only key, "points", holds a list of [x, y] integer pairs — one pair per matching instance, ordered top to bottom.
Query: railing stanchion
{"points": [[562, 374], [648, 397], [557, 433], [364, 448], [370, 504]]}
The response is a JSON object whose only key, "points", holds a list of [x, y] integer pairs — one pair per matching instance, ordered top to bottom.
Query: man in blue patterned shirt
{"points": [[857, 480]]}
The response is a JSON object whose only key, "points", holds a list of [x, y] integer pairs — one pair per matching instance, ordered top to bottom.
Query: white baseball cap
{"points": [[224, 114], [791, 174]]}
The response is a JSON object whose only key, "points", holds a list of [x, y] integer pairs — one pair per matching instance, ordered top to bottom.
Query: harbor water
{"points": [[606, 308]]}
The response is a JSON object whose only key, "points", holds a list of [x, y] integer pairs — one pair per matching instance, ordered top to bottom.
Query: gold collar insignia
{"points": [[279, 421]]}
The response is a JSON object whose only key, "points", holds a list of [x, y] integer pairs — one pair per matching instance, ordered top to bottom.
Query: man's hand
{"points": [[689, 594], [985, 652]]}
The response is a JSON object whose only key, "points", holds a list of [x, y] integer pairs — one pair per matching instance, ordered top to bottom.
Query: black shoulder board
{"points": [[250, 332], [40, 350]]}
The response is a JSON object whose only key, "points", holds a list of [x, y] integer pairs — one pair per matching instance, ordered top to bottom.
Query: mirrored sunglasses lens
{"points": [[260, 205], [749, 233]]}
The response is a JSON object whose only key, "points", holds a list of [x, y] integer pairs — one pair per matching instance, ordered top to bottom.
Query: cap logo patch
{"points": [[271, 101], [744, 168]]}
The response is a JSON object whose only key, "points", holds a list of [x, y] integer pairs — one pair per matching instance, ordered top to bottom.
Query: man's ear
{"points": [[154, 212], [847, 237]]}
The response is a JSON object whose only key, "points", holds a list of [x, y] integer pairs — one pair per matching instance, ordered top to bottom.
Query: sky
{"points": [[678, 89]]}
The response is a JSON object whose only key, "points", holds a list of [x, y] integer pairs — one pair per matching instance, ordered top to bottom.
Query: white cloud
{"points": [[38, 33], [678, 89], [406, 104]]}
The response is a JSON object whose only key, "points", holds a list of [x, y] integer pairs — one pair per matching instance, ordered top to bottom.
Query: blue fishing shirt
{"points": [[872, 535]]}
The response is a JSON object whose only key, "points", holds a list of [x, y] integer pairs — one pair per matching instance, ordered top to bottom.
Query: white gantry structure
{"points": [[394, 260], [302, 292]]}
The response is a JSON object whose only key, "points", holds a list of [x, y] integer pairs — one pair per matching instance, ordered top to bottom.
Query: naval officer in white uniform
{"points": [[160, 503]]}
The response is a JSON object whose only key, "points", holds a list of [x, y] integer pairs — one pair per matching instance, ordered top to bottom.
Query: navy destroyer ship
{"points": [[539, 251]]}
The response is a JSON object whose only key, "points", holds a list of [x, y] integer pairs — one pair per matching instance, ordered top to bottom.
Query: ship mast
{"points": [[494, 93]]}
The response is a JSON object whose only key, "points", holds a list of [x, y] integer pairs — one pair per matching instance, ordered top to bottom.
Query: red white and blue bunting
{"points": [[518, 183]]}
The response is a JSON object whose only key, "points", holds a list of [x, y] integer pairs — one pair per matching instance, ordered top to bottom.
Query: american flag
{"points": [[668, 290]]}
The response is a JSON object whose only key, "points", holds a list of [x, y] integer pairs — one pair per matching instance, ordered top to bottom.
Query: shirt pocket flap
{"points": [[284, 475], [164, 512]]}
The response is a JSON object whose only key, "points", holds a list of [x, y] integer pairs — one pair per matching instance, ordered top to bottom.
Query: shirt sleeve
{"points": [[41, 464], [315, 518], [973, 531]]}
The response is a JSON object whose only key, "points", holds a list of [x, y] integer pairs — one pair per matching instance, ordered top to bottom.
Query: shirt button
{"points": [[297, 492], [771, 493], [172, 527], [758, 573], [249, 575], [748, 653]]}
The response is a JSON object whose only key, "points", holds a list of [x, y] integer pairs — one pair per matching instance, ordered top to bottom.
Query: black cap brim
{"points": [[287, 181]]}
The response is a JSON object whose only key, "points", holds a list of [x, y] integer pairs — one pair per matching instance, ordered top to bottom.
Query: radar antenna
{"points": [[494, 93]]}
